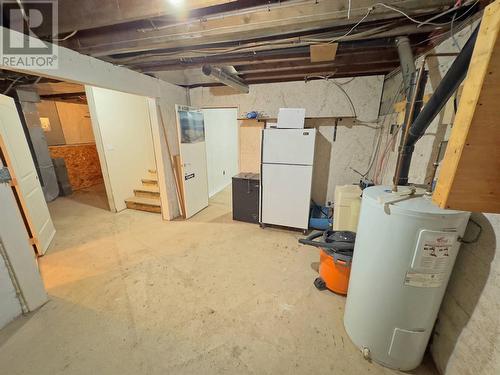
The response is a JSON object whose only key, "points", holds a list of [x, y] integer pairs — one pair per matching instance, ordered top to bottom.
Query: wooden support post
{"points": [[470, 174]]}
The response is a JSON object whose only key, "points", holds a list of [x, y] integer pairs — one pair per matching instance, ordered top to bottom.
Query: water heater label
{"points": [[434, 251], [424, 280]]}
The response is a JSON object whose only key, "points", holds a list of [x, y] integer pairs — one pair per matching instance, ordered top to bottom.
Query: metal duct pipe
{"points": [[407, 64], [408, 72], [225, 78], [448, 85], [414, 109]]}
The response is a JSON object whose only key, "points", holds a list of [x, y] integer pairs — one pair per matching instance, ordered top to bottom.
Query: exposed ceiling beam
{"points": [[89, 14], [280, 19], [294, 43], [348, 60], [160, 63], [372, 68]]}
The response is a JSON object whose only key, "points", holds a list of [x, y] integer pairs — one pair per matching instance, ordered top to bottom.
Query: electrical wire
{"points": [[23, 11], [425, 22], [352, 28], [66, 37], [454, 40], [303, 41], [256, 46], [327, 78], [11, 85], [376, 149], [381, 159]]}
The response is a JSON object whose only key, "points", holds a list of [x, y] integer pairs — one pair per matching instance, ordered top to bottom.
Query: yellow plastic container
{"points": [[346, 207]]}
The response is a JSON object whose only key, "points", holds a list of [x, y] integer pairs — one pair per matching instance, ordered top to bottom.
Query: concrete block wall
{"points": [[466, 340]]}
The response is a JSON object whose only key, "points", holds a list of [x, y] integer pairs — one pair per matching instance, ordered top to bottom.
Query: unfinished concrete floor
{"points": [[130, 294]]}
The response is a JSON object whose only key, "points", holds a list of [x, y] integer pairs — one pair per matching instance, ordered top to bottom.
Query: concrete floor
{"points": [[130, 294]]}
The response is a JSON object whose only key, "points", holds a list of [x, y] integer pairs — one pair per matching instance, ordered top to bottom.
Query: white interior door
{"points": [[221, 137], [193, 159], [26, 177], [15, 241]]}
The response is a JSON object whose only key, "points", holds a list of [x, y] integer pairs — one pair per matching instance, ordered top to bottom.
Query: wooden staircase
{"points": [[146, 197]]}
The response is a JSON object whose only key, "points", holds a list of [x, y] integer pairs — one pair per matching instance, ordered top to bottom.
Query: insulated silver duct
{"points": [[229, 80]]}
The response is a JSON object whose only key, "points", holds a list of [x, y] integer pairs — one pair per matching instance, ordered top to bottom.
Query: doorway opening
{"points": [[65, 118]]}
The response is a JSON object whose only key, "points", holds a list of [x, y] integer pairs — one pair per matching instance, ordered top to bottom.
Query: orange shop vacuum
{"points": [[336, 250]]}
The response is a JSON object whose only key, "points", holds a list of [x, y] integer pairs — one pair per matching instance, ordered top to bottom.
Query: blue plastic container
{"points": [[320, 218]]}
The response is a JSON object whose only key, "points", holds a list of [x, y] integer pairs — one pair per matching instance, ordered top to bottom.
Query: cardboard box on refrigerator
{"points": [[291, 118]]}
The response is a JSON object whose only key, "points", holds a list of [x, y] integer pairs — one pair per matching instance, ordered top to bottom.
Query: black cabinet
{"points": [[246, 197]]}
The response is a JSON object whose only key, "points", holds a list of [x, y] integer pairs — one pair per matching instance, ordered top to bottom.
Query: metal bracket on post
{"points": [[5, 177]]}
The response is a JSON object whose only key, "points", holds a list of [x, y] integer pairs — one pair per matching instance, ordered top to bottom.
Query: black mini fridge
{"points": [[246, 197]]}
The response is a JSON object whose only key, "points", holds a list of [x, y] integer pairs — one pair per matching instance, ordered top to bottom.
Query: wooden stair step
{"points": [[152, 171], [150, 181], [148, 191], [143, 204]]}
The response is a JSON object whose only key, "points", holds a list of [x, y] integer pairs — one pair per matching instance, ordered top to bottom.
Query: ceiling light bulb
{"points": [[176, 3]]}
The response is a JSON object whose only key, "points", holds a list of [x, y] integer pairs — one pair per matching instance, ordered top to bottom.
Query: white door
{"points": [[221, 138], [288, 146], [193, 159], [23, 170], [286, 195], [15, 241]]}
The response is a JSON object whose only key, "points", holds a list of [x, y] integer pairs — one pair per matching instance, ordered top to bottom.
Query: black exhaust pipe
{"points": [[448, 85]]}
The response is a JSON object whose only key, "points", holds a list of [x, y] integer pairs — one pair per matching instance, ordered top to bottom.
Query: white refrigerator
{"points": [[286, 177]]}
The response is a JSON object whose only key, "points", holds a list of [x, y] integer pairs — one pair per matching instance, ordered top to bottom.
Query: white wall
{"points": [[319, 98], [323, 100], [122, 129], [221, 139], [10, 307], [466, 339]]}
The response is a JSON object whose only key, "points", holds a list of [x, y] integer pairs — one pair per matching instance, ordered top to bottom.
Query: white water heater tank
{"points": [[404, 254]]}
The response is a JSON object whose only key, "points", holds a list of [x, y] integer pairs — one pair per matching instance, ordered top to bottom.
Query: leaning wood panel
{"points": [[250, 134], [82, 163], [470, 174]]}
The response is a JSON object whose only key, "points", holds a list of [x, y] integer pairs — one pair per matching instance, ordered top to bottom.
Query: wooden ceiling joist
{"points": [[90, 14], [287, 17], [263, 40], [373, 68]]}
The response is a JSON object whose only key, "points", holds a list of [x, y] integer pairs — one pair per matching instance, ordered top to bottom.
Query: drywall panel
{"points": [[347, 97], [49, 117], [75, 123], [122, 129], [221, 137], [250, 139], [82, 164], [10, 308]]}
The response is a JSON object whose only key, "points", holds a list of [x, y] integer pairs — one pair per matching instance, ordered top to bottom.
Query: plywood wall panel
{"points": [[75, 122], [250, 145], [82, 163]]}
